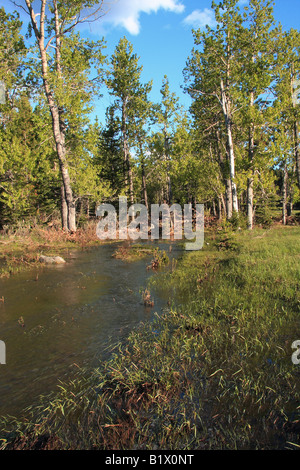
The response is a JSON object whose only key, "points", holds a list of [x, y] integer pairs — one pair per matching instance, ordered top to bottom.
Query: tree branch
{"points": [[20, 6], [86, 19], [33, 20]]}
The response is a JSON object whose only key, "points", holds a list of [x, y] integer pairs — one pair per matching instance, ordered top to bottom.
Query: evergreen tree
{"points": [[124, 84], [108, 159], [30, 181]]}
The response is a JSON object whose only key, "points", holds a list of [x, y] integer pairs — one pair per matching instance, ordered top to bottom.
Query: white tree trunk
{"points": [[226, 107]]}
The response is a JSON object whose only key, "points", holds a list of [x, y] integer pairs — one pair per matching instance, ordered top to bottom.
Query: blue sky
{"points": [[160, 31]]}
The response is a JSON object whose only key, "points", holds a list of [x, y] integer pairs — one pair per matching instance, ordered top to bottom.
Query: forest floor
{"points": [[214, 371]]}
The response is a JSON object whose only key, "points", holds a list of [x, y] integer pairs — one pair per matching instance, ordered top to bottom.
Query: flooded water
{"points": [[60, 317]]}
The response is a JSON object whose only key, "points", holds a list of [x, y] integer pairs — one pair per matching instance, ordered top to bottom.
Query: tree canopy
{"points": [[236, 149]]}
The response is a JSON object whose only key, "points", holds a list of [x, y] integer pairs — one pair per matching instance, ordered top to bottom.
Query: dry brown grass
{"points": [[84, 236], [21, 248]]}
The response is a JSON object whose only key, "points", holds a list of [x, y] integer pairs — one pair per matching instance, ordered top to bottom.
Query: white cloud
{"points": [[126, 13], [201, 18]]}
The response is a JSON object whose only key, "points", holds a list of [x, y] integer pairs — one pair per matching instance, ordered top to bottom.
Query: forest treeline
{"points": [[236, 149]]}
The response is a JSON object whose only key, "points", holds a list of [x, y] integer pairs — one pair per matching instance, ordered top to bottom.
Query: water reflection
{"points": [[63, 316]]}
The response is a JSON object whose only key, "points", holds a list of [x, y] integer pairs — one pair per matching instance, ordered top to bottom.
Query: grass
{"points": [[133, 252], [213, 372]]}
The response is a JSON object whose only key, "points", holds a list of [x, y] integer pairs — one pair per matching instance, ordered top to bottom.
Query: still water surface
{"points": [[60, 316]]}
